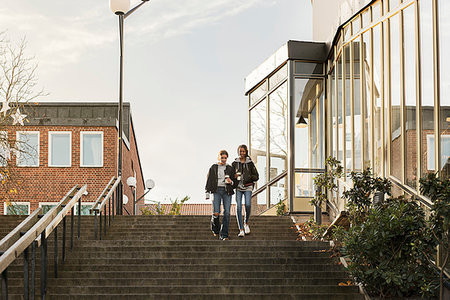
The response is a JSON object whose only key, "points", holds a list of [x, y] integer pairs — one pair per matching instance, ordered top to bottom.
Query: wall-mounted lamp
{"points": [[301, 123]]}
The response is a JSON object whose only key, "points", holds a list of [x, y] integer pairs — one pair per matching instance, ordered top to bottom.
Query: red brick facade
{"points": [[50, 184]]}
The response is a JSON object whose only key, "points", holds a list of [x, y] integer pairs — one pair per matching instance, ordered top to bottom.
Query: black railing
{"points": [[106, 206], [38, 228]]}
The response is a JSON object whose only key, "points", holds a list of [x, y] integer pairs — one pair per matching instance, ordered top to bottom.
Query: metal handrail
{"points": [[102, 195], [100, 208], [38, 233], [14, 235]]}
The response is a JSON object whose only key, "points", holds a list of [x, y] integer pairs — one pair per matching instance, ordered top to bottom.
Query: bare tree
{"points": [[18, 88]]}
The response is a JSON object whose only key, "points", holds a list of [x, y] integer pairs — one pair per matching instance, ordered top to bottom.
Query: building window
{"points": [[258, 142], [4, 149], [27, 149], [60, 149], [91, 149], [445, 151], [47, 206], [16, 208], [85, 208]]}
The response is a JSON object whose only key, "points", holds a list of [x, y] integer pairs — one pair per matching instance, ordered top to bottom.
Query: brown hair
{"points": [[243, 147], [223, 152]]}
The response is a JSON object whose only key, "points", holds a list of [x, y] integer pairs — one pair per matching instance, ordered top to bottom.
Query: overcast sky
{"points": [[185, 64]]}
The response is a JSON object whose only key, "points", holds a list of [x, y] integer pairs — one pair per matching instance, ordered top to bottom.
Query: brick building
{"points": [[67, 144]]}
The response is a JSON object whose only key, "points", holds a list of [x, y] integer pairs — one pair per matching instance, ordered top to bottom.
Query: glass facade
{"points": [[382, 100]]}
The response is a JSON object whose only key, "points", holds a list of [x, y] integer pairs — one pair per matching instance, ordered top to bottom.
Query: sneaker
{"points": [[246, 229], [241, 233], [223, 238]]}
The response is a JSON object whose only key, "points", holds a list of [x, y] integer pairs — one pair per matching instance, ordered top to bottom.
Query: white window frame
{"points": [[5, 133], [50, 133], [82, 133], [431, 144], [38, 148], [16, 203], [47, 203], [75, 207]]}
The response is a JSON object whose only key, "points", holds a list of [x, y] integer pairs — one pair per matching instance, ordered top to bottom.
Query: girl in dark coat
{"points": [[220, 183]]}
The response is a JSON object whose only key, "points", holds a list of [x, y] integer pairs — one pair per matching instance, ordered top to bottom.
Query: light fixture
{"points": [[119, 6], [448, 119], [301, 123], [131, 181], [149, 184], [125, 199]]}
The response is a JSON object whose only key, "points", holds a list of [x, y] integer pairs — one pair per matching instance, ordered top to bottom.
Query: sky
{"points": [[184, 68]]}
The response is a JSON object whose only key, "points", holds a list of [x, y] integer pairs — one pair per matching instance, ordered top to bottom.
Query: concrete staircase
{"points": [[177, 257]]}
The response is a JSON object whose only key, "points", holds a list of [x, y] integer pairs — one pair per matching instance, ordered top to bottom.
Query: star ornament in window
{"points": [[5, 108], [18, 117]]}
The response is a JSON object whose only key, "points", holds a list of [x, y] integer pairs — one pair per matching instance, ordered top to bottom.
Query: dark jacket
{"points": [[248, 170], [211, 181]]}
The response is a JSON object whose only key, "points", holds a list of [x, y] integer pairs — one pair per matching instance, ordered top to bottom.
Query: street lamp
{"points": [[122, 9], [131, 182]]}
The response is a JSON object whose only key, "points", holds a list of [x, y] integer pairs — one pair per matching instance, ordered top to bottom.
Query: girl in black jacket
{"points": [[246, 176], [219, 182]]}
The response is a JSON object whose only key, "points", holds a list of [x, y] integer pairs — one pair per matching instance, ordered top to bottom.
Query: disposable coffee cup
{"points": [[238, 175], [226, 177]]}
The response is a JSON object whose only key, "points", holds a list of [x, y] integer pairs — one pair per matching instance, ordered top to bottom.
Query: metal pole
{"points": [[119, 163], [113, 199], [109, 211], [79, 217], [104, 217], [95, 224], [71, 227], [100, 231], [64, 241], [56, 252], [43, 264], [33, 268], [4, 276], [26, 283]]}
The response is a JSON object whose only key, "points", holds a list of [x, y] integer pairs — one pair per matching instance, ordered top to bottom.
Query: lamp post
{"points": [[122, 9], [131, 182]]}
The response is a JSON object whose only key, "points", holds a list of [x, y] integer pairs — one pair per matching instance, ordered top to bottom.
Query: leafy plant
{"points": [[326, 181], [438, 190], [359, 197], [175, 208], [281, 208], [310, 230], [387, 250]]}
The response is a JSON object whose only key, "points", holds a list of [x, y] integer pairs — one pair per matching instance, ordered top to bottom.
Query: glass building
{"points": [[375, 93]]}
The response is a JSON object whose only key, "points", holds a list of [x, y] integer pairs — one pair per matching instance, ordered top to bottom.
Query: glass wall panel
{"points": [[393, 4], [376, 11], [365, 17], [409, 48], [444, 50], [308, 68], [278, 77], [427, 84], [258, 93], [386, 94], [367, 99], [377, 100], [308, 102], [357, 103], [348, 112], [340, 116], [278, 131], [396, 133], [321, 138], [258, 145], [333, 145], [304, 184], [278, 191], [261, 203]]}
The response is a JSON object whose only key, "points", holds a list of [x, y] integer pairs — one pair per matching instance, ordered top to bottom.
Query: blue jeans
{"points": [[219, 196], [248, 207]]}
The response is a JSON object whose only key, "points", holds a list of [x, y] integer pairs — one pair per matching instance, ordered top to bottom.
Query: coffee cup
{"points": [[238, 175]]}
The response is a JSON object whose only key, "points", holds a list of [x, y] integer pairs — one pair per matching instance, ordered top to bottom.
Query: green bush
{"points": [[281, 208], [387, 251]]}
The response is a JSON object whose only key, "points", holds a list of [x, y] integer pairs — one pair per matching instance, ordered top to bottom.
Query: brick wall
{"points": [[50, 184]]}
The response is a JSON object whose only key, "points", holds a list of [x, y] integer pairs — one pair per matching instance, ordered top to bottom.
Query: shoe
{"points": [[246, 229], [241, 233], [214, 234], [223, 238]]}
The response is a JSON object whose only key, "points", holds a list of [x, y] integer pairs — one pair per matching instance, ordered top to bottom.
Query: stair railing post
{"points": [[113, 204], [109, 211], [79, 217], [105, 217], [95, 223], [71, 227], [100, 231], [64, 241], [56, 252], [43, 265], [33, 269], [4, 276], [26, 283]]}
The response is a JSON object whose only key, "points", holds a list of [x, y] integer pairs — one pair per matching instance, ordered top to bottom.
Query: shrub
{"points": [[281, 208], [387, 251]]}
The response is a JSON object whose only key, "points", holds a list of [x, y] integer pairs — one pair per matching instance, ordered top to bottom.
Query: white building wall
{"points": [[328, 15]]}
